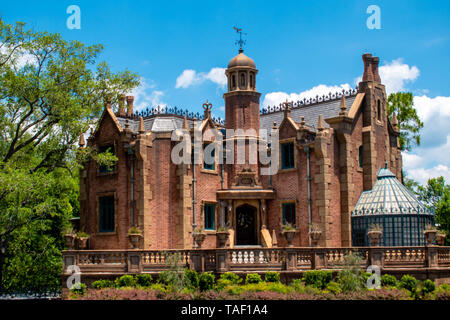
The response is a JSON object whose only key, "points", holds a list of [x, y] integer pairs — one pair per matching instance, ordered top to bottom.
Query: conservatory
{"points": [[393, 207]]}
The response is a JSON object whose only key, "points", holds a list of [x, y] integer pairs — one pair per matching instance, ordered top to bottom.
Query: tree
{"points": [[51, 91], [402, 104], [436, 194]]}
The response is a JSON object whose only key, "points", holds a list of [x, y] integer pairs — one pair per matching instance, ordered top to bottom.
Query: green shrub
{"points": [[272, 276], [165, 277], [233, 277], [253, 278], [317, 278], [350, 278], [191, 279], [144, 280], [388, 280], [126, 281], [206, 281], [409, 283], [101, 284], [428, 286], [159, 287], [278, 287], [300, 287], [333, 287], [79, 289]]}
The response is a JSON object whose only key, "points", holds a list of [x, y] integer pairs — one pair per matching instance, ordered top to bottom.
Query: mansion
{"points": [[331, 149]]}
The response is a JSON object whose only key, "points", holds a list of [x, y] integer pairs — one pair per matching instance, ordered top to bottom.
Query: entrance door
{"points": [[246, 225]]}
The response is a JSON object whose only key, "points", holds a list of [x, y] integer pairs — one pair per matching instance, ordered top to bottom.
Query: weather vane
{"points": [[241, 42]]}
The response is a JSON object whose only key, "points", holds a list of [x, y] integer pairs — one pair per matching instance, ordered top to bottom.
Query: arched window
{"points": [[242, 80], [251, 80], [233, 81]]}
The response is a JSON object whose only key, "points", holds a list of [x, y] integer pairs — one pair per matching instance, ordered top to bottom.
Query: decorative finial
{"points": [[241, 42], [121, 98], [343, 106], [207, 107], [287, 107], [394, 121], [302, 122], [185, 124], [320, 124], [141, 125], [274, 125], [82, 142], [385, 165]]}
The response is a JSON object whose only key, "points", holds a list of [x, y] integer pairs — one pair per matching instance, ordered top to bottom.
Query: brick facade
{"points": [[163, 201]]}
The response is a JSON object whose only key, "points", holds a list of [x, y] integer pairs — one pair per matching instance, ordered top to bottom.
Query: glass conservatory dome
{"points": [[394, 207]]}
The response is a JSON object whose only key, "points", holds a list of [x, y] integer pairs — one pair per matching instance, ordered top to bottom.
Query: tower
{"points": [[242, 109]]}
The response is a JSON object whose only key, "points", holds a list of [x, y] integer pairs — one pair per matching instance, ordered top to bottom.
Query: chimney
{"points": [[368, 74], [376, 75], [121, 98], [130, 100], [82, 142]]}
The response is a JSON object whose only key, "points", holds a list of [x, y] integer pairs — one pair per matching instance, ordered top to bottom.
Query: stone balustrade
{"points": [[116, 262]]}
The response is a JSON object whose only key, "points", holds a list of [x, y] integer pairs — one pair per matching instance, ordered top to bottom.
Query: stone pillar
{"points": [[221, 260], [134, 262]]}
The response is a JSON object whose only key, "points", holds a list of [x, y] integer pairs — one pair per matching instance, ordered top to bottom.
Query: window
{"points": [[242, 80], [251, 80], [233, 81], [379, 110], [360, 151], [287, 155], [208, 166], [103, 168], [106, 213], [289, 213], [209, 216]]}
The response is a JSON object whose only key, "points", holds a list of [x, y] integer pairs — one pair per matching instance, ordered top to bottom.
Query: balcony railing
{"points": [[249, 259]]}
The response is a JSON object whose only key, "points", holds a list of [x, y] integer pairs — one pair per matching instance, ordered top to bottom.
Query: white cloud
{"points": [[19, 58], [394, 75], [191, 77], [145, 95], [275, 98], [432, 158]]}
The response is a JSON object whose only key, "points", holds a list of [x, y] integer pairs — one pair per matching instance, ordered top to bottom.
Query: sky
{"points": [[301, 48]]}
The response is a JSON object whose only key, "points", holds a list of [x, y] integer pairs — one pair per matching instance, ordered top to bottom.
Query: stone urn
{"points": [[289, 236], [430, 236], [199, 237], [315, 237], [374, 237], [440, 237], [222, 238], [135, 239], [70, 241], [82, 242]]}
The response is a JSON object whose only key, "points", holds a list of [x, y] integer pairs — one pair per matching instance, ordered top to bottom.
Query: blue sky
{"points": [[297, 46]]}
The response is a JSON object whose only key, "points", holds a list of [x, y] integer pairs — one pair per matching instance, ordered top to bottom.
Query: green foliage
{"points": [[45, 104], [402, 104], [436, 194], [175, 276], [272, 276], [253, 278], [317, 278], [350, 278], [191, 279], [228, 279], [144, 280], [388, 280], [126, 281], [206, 281], [409, 283], [101, 284], [299, 286], [428, 286], [333, 287], [79, 289]]}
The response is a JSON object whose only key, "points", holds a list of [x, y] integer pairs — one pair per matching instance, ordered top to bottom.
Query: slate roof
{"points": [[311, 112]]}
